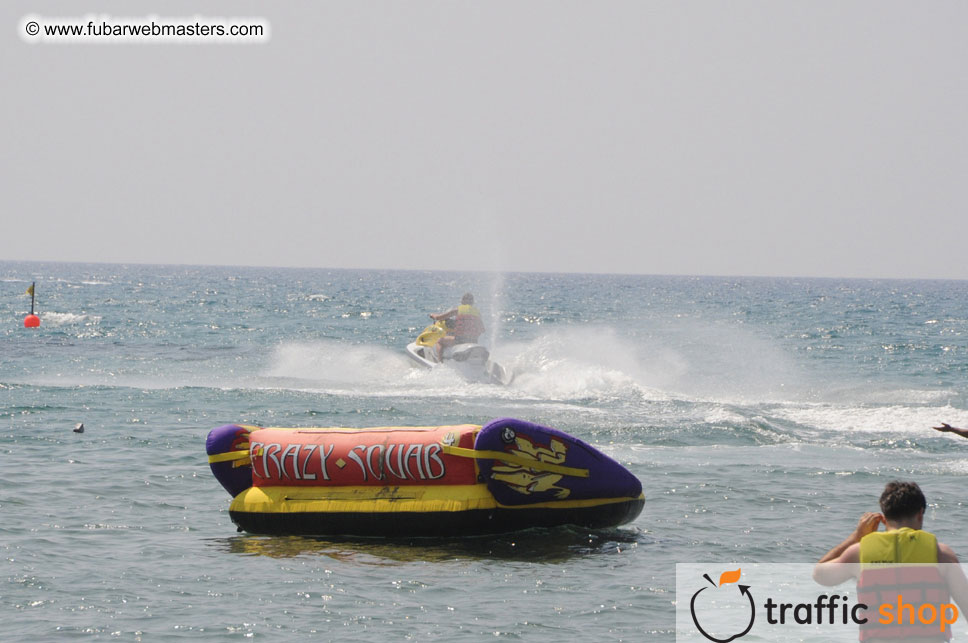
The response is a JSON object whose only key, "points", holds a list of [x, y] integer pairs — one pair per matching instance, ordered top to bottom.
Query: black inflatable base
{"points": [[436, 524]]}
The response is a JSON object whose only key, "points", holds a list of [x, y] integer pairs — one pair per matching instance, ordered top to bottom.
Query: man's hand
{"points": [[947, 428], [867, 524], [846, 552]]}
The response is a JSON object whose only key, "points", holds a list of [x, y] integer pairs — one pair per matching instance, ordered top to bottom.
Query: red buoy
{"points": [[31, 320]]}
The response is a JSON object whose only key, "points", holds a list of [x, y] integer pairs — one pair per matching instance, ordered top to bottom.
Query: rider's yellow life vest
{"points": [[468, 325], [904, 545]]}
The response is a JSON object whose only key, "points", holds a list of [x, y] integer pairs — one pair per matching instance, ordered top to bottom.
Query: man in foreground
{"points": [[903, 541]]}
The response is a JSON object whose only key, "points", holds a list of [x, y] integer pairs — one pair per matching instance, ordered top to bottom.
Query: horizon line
{"points": [[476, 270]]}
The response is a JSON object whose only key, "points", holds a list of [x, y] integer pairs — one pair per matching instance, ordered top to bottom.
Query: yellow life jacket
{"points": [[467, 325], [904, 545], [916, 582]]}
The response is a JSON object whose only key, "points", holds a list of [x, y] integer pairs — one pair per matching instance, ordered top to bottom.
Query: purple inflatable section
{"points": [[225, 439], [516, 484]]}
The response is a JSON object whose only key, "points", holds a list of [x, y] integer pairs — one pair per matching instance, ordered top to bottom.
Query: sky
{"points": [[810, 139]]}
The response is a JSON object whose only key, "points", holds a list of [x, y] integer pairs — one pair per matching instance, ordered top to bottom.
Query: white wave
{"points": [[68, 319], [687, 359], [332, 361], [578, 364], [336, 368], [903, 396], [721, 415], [898, 419], [956, 467]]}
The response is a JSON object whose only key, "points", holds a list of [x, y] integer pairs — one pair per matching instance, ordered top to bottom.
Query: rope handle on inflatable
{"points": [[238, 458], [537, 465]]}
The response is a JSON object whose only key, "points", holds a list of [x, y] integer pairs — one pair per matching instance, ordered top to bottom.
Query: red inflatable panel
{"points": [[378, 457]]}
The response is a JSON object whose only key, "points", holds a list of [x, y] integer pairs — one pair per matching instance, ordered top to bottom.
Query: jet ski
{"points": [[473, 361]]}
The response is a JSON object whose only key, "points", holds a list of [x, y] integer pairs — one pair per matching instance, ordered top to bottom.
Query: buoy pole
{"points": [[31, 320]]}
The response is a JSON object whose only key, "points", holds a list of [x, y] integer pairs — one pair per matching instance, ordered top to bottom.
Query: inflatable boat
{"points": [[418, 481]]}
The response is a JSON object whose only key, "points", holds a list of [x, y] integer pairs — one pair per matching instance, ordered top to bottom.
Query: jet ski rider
{"points": [[467, 324]]}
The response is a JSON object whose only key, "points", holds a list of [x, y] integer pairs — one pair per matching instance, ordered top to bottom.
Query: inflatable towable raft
{"points": [[418, 481]]}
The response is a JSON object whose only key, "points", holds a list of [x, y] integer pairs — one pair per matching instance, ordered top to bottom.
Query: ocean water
{"points": [[763, 416]]}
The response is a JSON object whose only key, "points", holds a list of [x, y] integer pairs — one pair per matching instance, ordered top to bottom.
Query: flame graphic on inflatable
{"points": [[527, 481]]}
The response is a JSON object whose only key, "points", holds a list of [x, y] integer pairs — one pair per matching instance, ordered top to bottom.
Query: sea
{"points": [[762, 415]]}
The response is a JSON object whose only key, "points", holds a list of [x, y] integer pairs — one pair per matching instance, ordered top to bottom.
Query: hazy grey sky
{"points": [[714, 138]]}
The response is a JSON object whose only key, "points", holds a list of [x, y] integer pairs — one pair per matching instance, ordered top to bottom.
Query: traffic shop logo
{"points": [[738, 599], [904, 608]]}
